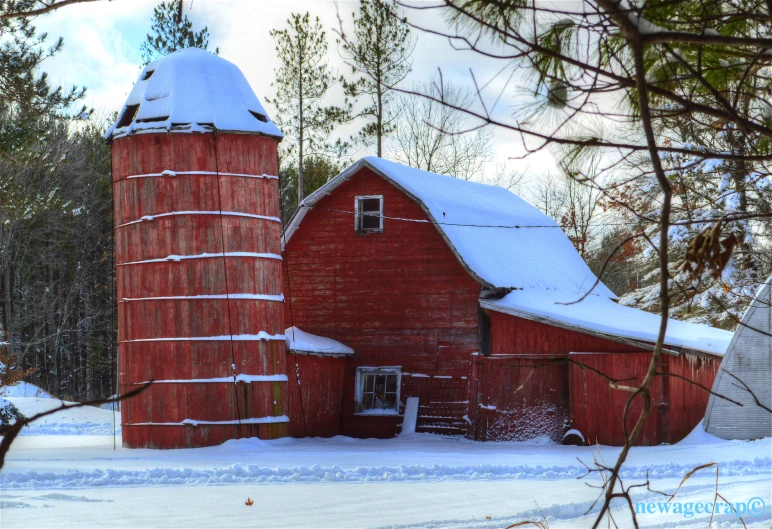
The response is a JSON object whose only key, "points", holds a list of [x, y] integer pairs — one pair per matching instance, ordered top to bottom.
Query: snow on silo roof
{"points": [[192, 90]]}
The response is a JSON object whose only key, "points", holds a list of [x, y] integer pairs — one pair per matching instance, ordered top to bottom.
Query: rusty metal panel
{"points": [[181, 201]]}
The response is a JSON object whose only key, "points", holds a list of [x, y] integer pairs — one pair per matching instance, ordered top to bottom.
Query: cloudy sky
{"points": [[103, 39]]}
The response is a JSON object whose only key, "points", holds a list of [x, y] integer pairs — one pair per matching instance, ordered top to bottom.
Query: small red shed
{"points": [[455, 292], [316, 367]]}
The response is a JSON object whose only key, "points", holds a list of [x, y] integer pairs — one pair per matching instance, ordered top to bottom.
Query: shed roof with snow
{"points": [[192, 90], [500, 239], [603, 317], [306, 343], [744, 376]]}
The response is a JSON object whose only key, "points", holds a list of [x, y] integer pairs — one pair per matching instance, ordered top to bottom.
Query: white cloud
{"points": [[102, 41]]}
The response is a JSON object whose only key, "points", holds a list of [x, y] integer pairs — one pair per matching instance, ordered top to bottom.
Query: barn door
{"points": [[520, 397], [598, 410]]}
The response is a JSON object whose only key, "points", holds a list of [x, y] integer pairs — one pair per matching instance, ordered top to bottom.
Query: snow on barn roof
{"points": [[192, 90], [517, 246], [599, 315], [304, 342]]}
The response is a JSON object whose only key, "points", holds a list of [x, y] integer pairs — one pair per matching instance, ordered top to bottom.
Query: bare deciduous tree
{"points": [[431, 134]]}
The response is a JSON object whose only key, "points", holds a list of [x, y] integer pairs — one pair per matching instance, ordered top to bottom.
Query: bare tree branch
{"points": [[46, 7]]}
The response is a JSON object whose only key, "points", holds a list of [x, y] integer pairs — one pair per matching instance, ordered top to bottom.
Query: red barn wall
{"points": [[398, 298], [513, 335], [522, 389], [315, 393], [558, 394], [519, 397], [687, 401], [677, 405], [597, 410]]}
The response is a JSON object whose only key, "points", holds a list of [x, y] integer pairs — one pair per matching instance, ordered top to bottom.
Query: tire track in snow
{"points": [[241, 473], [583, 513]]}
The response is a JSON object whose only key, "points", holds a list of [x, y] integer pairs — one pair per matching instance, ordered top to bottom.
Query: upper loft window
{"points": [[369, 213]]}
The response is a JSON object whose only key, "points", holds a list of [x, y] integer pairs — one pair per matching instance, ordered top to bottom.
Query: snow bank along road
{"points": [[420, 481]]}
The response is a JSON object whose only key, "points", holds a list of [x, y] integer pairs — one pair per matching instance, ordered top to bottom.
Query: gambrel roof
{"points": [[500, 239]]}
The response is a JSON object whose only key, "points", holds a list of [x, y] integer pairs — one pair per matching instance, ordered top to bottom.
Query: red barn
{"points": [[397, 286], [460, 294]]}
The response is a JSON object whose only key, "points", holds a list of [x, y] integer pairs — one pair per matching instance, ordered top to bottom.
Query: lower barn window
{"points": [[378, 390]]}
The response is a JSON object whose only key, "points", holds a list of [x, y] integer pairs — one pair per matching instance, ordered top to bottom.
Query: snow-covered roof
{"points": [[192, 90], [517, 246], [598, 315], [303, 342]]}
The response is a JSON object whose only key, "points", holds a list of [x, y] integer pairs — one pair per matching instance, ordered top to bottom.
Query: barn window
{"points": [[369, 213], [377, 390]]}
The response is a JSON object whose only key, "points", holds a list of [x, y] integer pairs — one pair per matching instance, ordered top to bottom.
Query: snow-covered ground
{"points": [[23, 389], [86, 420], [415, 481]]}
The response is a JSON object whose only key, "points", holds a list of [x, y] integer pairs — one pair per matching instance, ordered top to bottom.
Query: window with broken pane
{"points": [[379, 390]]}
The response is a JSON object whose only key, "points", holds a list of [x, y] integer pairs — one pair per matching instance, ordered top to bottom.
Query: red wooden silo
{"points": [[198, 257]]}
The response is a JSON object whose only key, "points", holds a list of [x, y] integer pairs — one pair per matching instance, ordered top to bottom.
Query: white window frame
{"points": [[357, 215], [360, 386]]}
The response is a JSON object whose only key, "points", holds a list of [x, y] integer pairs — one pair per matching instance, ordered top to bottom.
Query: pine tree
{"points": [[170, 33], [380, 51], [302, 83], [27, 94], [31, 109], [317, 171], [708, 188], [56, 296]]}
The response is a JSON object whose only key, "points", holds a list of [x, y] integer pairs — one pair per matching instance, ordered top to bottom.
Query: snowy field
{"points": [[65, 473]]}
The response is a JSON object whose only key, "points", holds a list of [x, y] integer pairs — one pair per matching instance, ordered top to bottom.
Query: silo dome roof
{"points": [[192, 90]]}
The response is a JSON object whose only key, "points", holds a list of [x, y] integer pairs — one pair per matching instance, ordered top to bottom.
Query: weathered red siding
{"points": [[398, 298], [144, 315], [513, 335], [522, 388], [315, 393], [554, 393], [519, 397], [687, 401], [597, 410]]}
